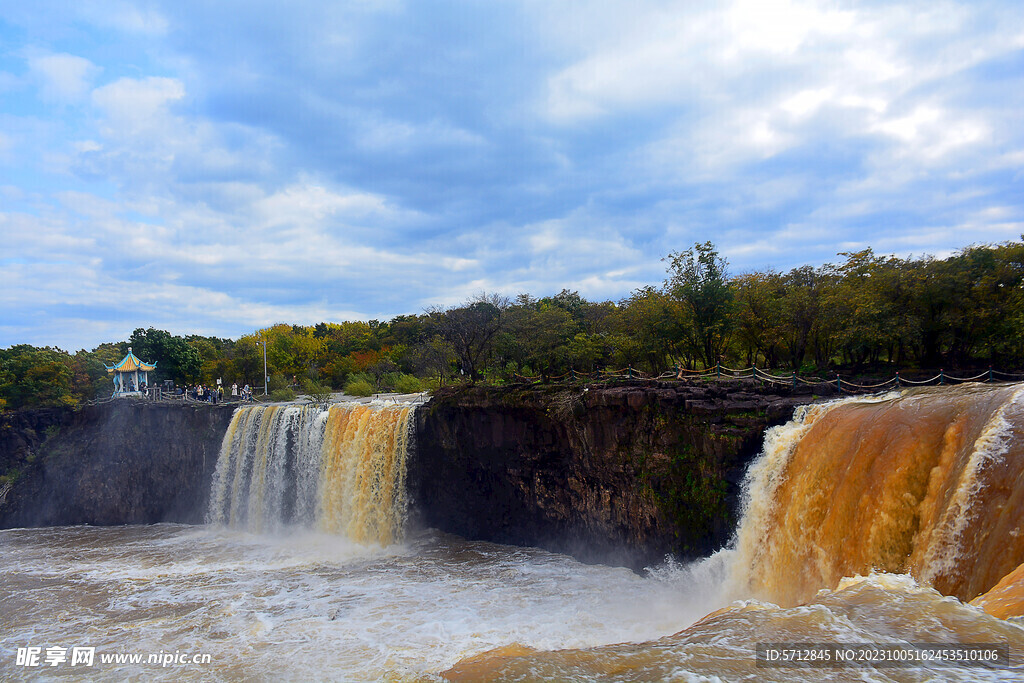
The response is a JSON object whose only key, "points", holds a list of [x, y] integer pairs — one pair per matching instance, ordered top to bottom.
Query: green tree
{"points": [[698, 279], [868, 300], [801, 312], [760, 321], [470, 329], [652, 331], [544, 335], [175, 358], [31, 377]]}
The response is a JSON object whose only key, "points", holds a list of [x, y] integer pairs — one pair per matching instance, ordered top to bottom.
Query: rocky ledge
{"points": [[128, 462], [624, 474]]}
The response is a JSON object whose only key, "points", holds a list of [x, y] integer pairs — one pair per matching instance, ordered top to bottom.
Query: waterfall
{"points": [[339, 470], [928, 482]]}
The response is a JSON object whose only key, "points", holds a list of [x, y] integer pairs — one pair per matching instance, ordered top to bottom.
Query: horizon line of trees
{"points": [[864, 314]]}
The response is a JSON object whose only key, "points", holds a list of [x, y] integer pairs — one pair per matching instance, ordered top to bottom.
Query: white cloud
{"points": [[780, 27], [688, 54], [63, 77], [759, 78], [808, 101], [134, 106], [778, 128], [929, 133], [306, 205], [458, 264], [185, 309]]}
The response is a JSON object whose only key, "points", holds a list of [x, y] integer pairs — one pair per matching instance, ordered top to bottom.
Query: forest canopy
{"points": [[865, 313]]}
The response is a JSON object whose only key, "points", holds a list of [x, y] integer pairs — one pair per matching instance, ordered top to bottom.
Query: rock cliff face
{"points": [[126, 462], [623, 475]]}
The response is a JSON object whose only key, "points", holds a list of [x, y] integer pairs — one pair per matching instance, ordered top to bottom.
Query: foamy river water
{"points": [[300, 577], [306, 606], [313, 607]]}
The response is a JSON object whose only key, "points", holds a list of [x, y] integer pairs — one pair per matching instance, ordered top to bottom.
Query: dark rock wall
{"points": [[126, 462], [623, 475]]}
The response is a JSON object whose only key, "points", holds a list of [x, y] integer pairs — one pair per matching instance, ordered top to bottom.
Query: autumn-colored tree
{"points": [[31, 377]]}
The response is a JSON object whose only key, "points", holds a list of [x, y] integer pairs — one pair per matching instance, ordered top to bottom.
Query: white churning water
{"points": [[339, 470], [306, 571], [306, 606]]}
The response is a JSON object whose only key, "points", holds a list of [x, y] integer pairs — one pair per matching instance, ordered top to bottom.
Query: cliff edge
{"points": [[127, 462], [624, 474]]}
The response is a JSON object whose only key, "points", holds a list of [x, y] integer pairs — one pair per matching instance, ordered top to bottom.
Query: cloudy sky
{"points": [[214, 167]]}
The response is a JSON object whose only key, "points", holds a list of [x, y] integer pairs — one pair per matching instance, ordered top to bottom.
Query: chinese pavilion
{"points": [[130, 374]]}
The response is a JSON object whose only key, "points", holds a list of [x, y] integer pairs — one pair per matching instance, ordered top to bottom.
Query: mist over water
{"points": [[307, 572]]}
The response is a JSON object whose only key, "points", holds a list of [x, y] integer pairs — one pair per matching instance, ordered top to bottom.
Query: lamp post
{"points": [[265, 380]]}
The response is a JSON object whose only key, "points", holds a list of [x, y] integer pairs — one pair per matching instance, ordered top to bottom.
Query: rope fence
{"points": [[717, 373], [756, 374], [167, 396]]}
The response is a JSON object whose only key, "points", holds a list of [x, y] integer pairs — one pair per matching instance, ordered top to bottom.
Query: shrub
{"points": [[277, 382], [433, 383], [408, 384], [359, 387], [317, 393], [282, 395]]}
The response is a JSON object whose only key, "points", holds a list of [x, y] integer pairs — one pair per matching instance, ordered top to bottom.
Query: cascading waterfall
{"points": [[339, 470], [927, 482], [924, 483], [859, 517]]}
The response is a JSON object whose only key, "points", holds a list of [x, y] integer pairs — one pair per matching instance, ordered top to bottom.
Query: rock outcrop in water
{"points": [[126, 462], [622, 474]]}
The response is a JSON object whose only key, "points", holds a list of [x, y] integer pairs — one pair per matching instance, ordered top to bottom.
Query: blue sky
{"points": [[213, 168]]}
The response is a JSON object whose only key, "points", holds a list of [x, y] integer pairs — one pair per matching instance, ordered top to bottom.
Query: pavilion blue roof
{"points": [[131, 363]]}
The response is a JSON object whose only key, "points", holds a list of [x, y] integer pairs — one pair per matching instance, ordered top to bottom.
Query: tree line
{"points": [[866, 313]]}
